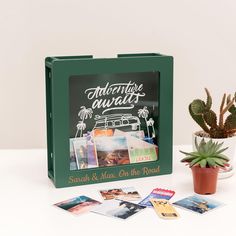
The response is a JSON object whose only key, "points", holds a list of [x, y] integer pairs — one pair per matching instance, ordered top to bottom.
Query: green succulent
{"points": [[216, 127], [208, 154]]}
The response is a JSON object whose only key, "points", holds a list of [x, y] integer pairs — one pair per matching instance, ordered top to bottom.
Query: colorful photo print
{"points": [[102, 132], [136, 134], [80, 147], [112, 151], [141, 151], [91, 152], [73, 163], [157, 193], [125, 194], [198, 204], [78, 205], [118, 209], [164, 209]]}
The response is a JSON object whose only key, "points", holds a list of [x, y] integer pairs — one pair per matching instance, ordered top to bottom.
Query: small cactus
{"points": [[207, 119], [208, 155]]}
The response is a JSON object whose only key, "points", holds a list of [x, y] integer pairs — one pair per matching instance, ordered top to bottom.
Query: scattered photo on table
{"points": [[112, 151], [157, 193], [163, 193], [125, 194], [198, 204], [78, 205], [118, 209], [164, 209]]}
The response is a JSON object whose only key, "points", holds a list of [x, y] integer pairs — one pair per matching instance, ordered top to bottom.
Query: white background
{"points": [[201, 36]]}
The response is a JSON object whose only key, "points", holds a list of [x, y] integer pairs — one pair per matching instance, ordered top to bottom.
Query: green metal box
{"points": [[108, 118]]}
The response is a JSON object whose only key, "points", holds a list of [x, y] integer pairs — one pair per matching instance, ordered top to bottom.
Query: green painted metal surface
{"points": [[59, 70]]}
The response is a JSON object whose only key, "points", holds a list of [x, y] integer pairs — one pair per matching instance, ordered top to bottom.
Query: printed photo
{"points": [[102, 132], [136, 134], [80, 147], [112, 151], [141, 151], [91, 152], [73, 163], [157, 193], [125, 194], [198, 204], [78, 205], [118, 209], [164, 209]]}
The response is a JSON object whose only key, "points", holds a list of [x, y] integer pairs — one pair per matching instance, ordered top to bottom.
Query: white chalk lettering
{"points": [[124, 96]]}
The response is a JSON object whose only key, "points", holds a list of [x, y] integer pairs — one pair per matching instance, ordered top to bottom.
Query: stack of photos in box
{"points": [[110, 147], [78, 205], [118, 209]]}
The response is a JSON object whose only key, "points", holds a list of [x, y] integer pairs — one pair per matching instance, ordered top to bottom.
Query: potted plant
{"points": [[219, 128], [205, 163]]}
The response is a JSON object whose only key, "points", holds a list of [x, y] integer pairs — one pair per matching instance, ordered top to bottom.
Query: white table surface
{"points": [[27, 196]]}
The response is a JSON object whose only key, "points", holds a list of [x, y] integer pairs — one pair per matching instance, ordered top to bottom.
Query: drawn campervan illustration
{"points": [[116, 121]]}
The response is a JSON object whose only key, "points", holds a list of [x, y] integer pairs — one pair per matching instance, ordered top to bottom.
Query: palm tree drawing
{"points": [[84, 114], [144, 114], [150, 122], [80, 126]]}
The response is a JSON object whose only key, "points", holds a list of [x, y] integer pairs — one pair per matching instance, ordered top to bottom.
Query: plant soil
{"points": [[203, 134]]}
